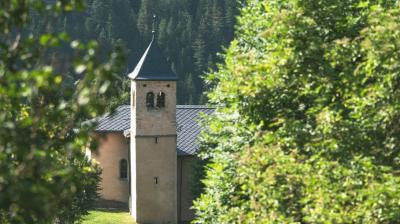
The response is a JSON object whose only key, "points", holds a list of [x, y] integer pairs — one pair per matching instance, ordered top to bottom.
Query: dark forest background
{"points": [[190, 33]]}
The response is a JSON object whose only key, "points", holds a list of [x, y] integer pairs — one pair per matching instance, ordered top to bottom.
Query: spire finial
{"points": [[154, 26]]}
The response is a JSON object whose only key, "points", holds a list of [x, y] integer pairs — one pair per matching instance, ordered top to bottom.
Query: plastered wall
{"points": [[112, 148]]}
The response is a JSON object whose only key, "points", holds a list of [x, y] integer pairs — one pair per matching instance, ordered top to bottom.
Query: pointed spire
{"points": [[153, 65]]}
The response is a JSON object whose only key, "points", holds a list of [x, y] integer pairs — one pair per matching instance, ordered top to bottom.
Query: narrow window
{"points": [[150, 99], [160, 100], [123, 169]]}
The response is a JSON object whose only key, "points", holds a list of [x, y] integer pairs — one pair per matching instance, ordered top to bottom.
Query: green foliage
{"points": [[308, 115], [44, 175], [85, 196]]}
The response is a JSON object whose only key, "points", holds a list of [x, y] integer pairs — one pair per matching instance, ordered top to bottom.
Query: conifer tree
{"points": [[190, 33]]}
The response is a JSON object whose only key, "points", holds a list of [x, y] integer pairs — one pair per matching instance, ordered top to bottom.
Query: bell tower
{"points": [[153, 156]]}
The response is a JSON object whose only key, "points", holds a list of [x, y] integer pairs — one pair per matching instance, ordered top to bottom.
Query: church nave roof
{"points": [[187, 117]]}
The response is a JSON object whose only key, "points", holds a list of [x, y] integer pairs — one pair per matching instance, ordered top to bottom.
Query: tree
{"points": [[307, 123], [44, 174]]}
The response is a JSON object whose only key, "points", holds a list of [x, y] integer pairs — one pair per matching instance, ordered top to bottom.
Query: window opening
{"points": [[150, 99], [161, 99], [123, 169]]}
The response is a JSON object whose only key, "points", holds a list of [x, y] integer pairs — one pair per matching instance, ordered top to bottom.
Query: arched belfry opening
{"points": [[150, 100], [161, 100]]}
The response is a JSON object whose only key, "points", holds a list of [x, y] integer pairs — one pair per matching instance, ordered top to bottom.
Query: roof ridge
{"points": [[181, 106], [194, 106]]}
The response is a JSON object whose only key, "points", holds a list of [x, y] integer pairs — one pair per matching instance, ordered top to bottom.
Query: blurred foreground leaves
{"points": [[44, 176]]}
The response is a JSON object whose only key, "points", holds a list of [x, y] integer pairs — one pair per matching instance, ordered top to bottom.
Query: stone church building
{"points": [[147, 148]]}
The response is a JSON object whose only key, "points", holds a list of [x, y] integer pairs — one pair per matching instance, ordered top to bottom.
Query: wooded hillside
{"points": [[190, 33]]}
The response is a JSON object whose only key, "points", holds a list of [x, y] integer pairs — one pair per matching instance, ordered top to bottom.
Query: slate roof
{"points": [[153, 66], [187, 117], [119, 121]]}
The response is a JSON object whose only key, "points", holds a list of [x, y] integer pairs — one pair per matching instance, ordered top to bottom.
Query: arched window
{"points": [[150, 99], [160, 100], [123, 169]]}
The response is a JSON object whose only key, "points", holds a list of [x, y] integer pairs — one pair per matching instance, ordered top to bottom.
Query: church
{"points": [[146, 149]]}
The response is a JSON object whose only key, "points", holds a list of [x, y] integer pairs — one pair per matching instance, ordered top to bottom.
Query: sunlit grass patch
{"points": [[108, 217]]}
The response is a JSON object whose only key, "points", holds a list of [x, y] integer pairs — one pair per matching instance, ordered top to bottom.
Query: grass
{"points": [[108, 217]]}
